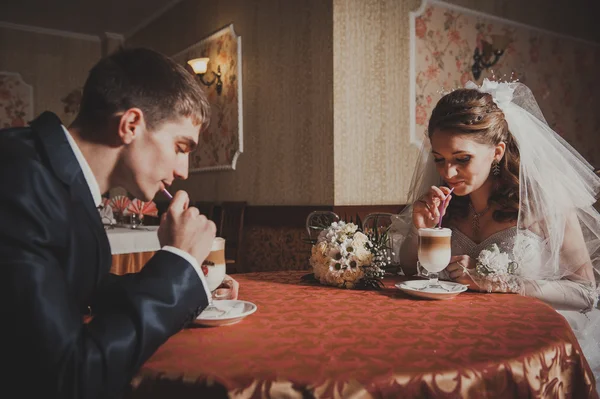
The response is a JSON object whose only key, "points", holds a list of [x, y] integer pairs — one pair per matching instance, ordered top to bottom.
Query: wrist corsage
{"points": [[492, 261]]}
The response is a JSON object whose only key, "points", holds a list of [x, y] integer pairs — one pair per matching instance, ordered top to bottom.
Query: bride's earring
{"points": [[496, 168]]}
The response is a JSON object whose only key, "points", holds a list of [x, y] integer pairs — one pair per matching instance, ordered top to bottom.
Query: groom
{"points": [[140, 117]]}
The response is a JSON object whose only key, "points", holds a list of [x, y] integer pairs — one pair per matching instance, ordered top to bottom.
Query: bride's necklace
{"points": [[475, 220]]}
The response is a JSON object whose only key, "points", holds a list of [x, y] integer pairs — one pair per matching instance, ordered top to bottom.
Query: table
{"points": [[132, 248], [311, 341]]}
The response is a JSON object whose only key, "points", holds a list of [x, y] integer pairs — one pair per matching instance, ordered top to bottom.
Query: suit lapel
{"points": [[63, 161], [67, 169]]}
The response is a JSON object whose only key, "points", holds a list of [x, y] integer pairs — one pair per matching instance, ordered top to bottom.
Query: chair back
{"points": [[207, 208], [379, 220], [317, 221], [379, 223], [231, 228]]}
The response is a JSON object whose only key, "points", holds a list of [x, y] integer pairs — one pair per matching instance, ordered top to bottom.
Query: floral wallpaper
{"points": [[560, 71], [16, 100], [70, 104], [222, 143]]}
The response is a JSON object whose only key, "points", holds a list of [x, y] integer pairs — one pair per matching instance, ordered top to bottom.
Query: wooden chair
{"points": [[162, 206], [207, 208], [231, 228]]}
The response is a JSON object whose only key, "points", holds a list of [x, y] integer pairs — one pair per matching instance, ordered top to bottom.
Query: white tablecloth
{"points": [[124, 240]]}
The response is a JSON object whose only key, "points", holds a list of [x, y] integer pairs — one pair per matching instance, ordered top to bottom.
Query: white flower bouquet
{"points": [[345, 257]]}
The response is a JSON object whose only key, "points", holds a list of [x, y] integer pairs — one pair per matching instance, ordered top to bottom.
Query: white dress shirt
{"points": [[97, 196]]}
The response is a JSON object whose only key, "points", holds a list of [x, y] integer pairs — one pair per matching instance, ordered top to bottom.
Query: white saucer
{"points": [[417, 288], [227, 312]]}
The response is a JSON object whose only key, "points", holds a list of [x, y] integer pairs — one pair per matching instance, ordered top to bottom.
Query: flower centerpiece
{"points": [[344, 256]]}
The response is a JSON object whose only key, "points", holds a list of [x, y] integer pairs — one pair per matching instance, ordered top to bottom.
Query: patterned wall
{"points": [[53, 65], [561, 71], [316, 72], [287, 96], [16, 100], [370, 107], [222, 143]]}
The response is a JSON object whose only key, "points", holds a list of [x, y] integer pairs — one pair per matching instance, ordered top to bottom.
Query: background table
{"points": [[132, 248], [307, 340]]}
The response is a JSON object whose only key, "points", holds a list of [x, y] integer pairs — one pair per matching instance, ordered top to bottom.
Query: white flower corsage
{"points": [[492, 261]]}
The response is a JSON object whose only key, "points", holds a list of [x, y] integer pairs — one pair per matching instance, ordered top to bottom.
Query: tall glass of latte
{"points": [[435, 251], [214, 265]]}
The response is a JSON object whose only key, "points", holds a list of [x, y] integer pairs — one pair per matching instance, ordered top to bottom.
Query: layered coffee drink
{"points": [[435, 248], [213, 266]]}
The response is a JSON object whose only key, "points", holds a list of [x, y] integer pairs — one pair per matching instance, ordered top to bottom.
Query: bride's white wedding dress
{"points": [[556, 241], [577, 302]]}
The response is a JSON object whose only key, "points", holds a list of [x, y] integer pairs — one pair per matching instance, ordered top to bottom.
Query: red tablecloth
{"points": [[312, 341]]}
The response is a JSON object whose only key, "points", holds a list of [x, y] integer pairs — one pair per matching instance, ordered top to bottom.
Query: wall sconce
{"points": [[490, 54], [200, 66]]}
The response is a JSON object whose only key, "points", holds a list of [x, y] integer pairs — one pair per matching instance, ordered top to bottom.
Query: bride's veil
{"points": [[558, 189]]}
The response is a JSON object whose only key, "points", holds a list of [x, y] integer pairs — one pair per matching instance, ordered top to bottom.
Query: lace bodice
{"points": [[528, 254]]}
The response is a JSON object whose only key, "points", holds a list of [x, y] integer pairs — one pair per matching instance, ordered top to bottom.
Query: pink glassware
{"points": [[168, 194], [443, 207]]}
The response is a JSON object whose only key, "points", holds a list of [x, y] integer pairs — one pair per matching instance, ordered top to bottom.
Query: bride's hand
{"points": [[426, 211], [460, 270]]}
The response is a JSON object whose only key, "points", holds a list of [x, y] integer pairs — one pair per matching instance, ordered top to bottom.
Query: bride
{"points": [[510, 180]]}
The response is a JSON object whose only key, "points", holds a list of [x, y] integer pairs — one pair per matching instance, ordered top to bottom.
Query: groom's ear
{"points": [[131, 125], [499, 151]]}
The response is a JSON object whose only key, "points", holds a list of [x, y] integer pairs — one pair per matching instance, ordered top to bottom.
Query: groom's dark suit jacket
{"points": [[54, 263]]}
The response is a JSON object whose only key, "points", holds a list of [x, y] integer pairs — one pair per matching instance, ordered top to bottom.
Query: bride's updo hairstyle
{"points": [[474, 114]]}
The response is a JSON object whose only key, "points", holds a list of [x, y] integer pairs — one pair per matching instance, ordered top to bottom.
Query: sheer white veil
{"points": [[558, 189]]}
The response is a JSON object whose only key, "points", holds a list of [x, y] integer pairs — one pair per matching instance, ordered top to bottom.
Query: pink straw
{"points": [[168, 194], [443, 207]]}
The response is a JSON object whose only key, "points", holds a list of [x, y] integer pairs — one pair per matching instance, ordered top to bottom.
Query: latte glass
{"points": [[435, 251], [214, 265]]}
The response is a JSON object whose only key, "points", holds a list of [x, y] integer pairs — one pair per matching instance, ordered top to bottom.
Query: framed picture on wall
{"points": [[218, 62]]}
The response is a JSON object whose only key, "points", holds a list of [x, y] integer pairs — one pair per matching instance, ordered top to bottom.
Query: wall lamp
{"points": [[489, 55], [200, 66]]}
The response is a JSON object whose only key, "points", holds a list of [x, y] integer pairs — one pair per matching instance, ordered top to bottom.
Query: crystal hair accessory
{"points": [[487, 85], [501, 92]]}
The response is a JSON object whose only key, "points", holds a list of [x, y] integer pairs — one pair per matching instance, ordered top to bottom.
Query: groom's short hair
{"points": [[145, 79]]}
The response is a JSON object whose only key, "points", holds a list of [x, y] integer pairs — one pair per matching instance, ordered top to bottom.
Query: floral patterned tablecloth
{"points": [[311, 341]]}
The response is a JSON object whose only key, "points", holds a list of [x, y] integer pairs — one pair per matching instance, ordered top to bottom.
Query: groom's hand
{"points": [[183, 227]]}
